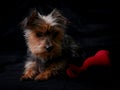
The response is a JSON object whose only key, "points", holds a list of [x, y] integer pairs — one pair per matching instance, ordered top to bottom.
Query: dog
{"points": [[49, 48]]}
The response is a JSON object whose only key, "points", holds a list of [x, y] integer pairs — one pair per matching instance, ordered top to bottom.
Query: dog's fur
{"points": [[49, 47]]}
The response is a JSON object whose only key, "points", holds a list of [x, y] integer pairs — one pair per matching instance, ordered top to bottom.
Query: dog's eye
{"points": [[39, 34]]}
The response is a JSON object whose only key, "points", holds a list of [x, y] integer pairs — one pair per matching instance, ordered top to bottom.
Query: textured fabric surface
{"points": [[11, 67]]}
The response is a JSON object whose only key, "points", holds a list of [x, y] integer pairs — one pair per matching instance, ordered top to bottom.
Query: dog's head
{"points": [[44, 33]]}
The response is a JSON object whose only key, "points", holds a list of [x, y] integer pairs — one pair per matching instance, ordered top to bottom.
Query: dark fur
{"points": [[42, 65]]}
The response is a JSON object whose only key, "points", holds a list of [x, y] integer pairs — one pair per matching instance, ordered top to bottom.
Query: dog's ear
{"points": [[34, 14], [59, 17], [33, 18], [23, 23]]}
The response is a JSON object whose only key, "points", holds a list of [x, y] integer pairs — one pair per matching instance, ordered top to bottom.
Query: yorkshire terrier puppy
{"points": [[49, 47]]}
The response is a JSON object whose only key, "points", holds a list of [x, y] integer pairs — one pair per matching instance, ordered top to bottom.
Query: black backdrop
{"points": [[92, 20], [91, 26]]}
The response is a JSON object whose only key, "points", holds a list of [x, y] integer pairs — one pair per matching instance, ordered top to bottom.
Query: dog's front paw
{"points": [[29, 74], [43, 76], [25, 77]]}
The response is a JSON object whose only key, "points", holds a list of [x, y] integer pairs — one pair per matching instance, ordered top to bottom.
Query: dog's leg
{"points": [[30, 70], [51, 70]]}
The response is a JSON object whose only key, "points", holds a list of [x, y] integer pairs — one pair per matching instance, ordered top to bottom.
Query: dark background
{"points": [[91, 26]]}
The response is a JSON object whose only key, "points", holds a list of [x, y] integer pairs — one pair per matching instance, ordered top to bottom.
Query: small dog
{"points": [[50, 49]]}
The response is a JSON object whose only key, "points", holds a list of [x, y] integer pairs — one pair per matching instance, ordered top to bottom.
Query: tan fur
{"points": [[41, 32], [37, 45], [30, 70], [51, 70]]}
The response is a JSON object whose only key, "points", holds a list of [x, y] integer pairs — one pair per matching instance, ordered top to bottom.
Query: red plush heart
{"points": [[101, 58]]}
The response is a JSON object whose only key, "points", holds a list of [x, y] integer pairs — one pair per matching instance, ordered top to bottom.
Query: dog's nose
{"points": [[49, 48]]}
